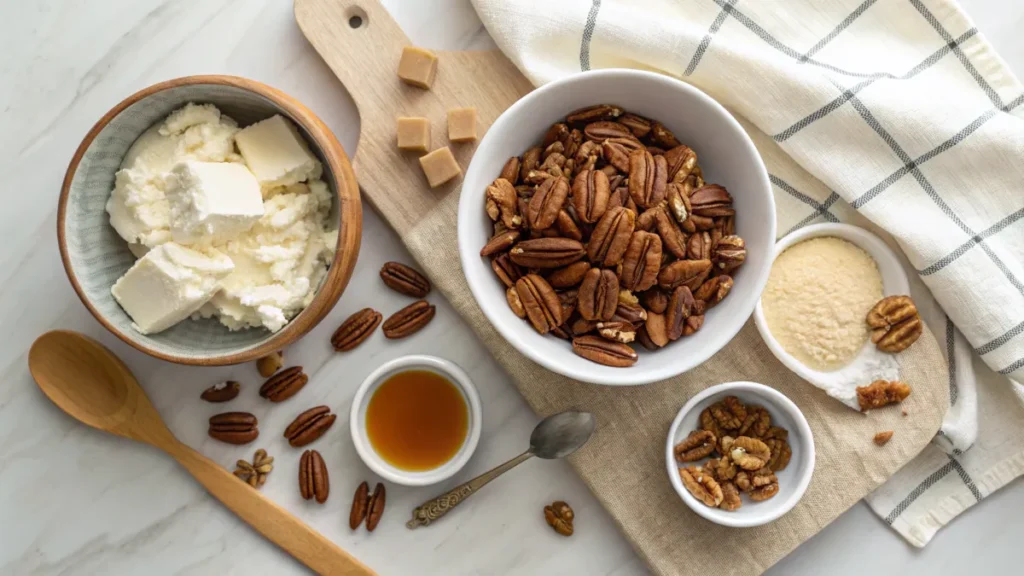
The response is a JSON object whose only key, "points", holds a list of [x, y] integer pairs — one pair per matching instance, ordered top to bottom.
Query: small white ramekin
{"points": [[894, 282], [357, 420], [793, 481]]}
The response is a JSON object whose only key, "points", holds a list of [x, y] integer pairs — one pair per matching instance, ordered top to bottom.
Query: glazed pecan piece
{"points": [[881, 393], [698, 445], [702, 485]]}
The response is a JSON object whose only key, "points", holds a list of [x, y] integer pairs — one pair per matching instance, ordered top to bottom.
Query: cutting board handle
{"points": [[367, 44]]}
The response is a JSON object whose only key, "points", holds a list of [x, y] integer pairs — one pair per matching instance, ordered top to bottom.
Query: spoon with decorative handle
{"points": [[93, 386], [556, 436]]}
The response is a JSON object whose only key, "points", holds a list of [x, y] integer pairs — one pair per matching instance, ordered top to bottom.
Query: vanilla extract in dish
{"points": [[818, 294], [417, 420]]}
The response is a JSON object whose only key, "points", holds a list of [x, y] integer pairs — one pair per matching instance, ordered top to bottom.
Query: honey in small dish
{"points": [[417, 420]]}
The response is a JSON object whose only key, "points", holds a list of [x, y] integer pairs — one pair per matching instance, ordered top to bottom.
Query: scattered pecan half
{"points": [[407, 280], [409, 320], [895, 324], [356, 329], [284, 384], [221, 392], [881, 393], [309, 426], [234, 427], [882, 438], [313, 479], [360, 505], [375, 507], [559, 516]]}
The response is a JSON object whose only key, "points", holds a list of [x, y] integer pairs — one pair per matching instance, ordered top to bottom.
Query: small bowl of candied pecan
{"points": [[616, 226], [740, 454]]}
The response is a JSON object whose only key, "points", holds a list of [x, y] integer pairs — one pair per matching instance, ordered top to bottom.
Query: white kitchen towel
{"points": [[892, 113]]}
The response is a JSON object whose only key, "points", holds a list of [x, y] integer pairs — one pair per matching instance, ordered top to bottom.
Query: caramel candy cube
{"points": [[417, 67], [462, 124], [413, 134], [440, 166]]}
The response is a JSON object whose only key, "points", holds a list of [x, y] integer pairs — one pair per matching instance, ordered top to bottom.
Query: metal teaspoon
{"points": [[556, 436]]}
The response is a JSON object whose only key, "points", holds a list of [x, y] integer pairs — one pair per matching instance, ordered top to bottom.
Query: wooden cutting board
{"points": [[362, 44]]}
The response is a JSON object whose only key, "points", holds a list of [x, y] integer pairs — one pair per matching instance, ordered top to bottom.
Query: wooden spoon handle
{"points": [[275, 523]]}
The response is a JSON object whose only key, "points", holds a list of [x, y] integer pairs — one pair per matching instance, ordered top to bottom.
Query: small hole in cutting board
{"points": [[357, 18]]}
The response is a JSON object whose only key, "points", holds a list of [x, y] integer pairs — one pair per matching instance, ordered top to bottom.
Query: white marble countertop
{"points": [[77, 501]]}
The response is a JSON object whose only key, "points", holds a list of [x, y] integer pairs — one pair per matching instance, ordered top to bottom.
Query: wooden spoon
{"points": [[92, 385]]}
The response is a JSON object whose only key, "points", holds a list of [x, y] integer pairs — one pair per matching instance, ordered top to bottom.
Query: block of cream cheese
{"points": [[276, 153], [212, 202], [168, 284]]}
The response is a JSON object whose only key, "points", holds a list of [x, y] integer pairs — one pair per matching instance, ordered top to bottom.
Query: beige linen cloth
{"points": [[896, 112]]}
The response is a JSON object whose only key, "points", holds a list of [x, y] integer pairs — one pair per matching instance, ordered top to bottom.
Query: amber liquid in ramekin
{"points": [[417, 420]]}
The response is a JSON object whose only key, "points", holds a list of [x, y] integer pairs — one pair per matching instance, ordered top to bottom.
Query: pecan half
{"points": [[638, 125], [603, 129], [555, 134], [663, 137], [616, 152], [681, 161], [530, 162], [510, 171], [648, 177], [590, 193], [711, 201], [547, 202], [678, 202], [502, 203], [567, 227], [610, 238], [672, 238], [500, 242], [698, 246], [547, 252], [729, 253], [641, 262], [506, 270], [689, 273], [568, 276], [404, 279], [714, 290], [598, 295], [514, 302], [542, 306], [680, 306], [632, 313], [409, 320], [693, 323], [895, 324], [355, 329], [657, 329], [602, 351], [284, 384], [221, 392], [881, 393], [756, 424], [309, 426], [234, 427], [881, 439], [698, 445], [749, 453], [781, 454], [313, 479], [702, 485], [730, 497], [360, 505], [375, 507], [560, 517]]}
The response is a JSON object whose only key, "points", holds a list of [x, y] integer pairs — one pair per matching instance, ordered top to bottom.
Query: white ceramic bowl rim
{"points": [[894, 281], [722, 328], [357, 420], [789, 494]]}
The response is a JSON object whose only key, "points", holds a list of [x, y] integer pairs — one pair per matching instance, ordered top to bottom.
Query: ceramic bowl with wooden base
{"points": [[726, 155], [95, 256]]}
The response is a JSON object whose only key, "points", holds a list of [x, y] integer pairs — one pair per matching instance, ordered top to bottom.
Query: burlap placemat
{"points": [[624, 462]]}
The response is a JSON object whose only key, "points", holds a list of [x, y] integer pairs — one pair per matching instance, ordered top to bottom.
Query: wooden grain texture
{"points": [[365, 59], [350, 213], [93, 386]]}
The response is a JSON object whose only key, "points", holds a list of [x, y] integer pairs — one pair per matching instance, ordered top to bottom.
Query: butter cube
{"points": [[417, 67], [462, 124], [413, 134], [276, 153], [440, 166], [212, 202], [168, 284]]}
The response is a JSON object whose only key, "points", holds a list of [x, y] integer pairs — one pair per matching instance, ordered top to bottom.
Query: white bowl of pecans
{"points": [[612, 210], [740, 454]]}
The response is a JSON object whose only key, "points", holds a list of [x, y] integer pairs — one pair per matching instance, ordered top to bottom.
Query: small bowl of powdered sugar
{"points": [[824, 280]]}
